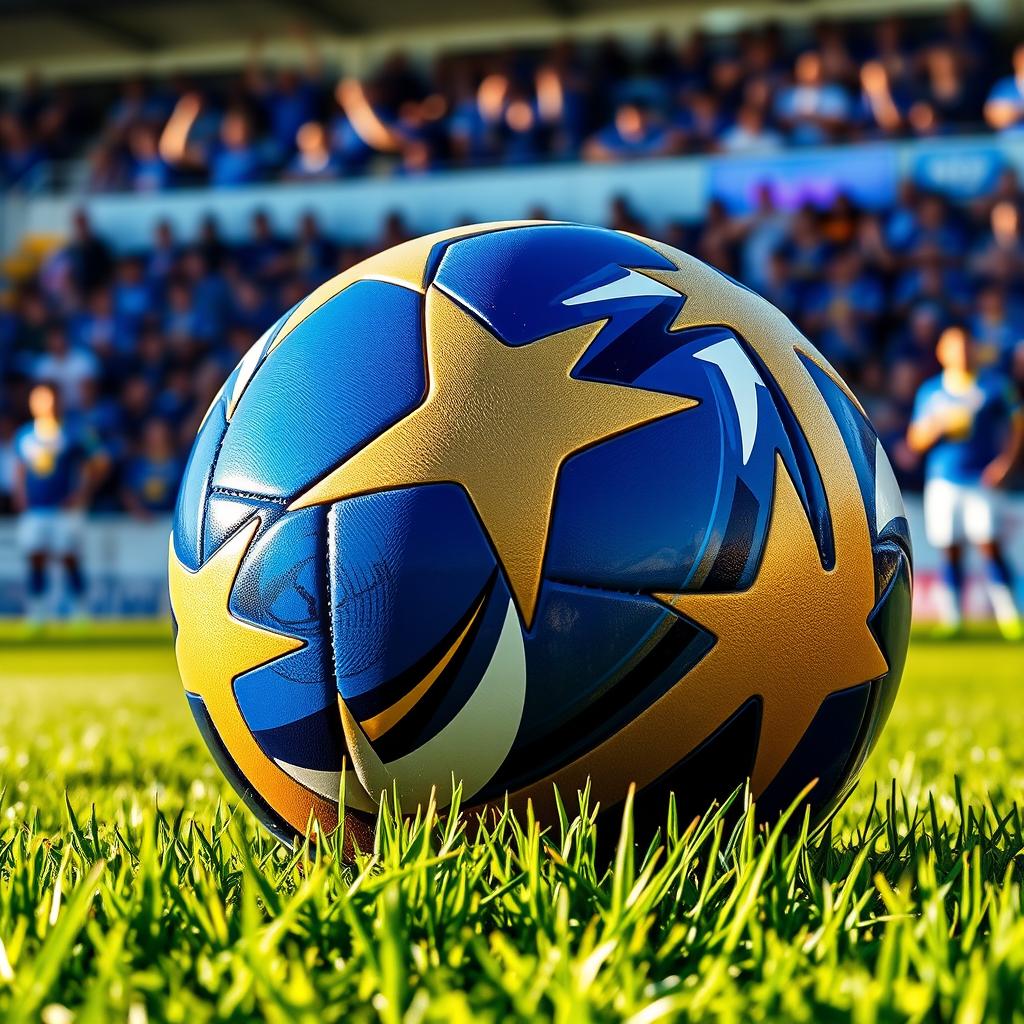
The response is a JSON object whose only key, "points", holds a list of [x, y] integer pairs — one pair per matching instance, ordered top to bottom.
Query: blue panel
{"points": [[516, 280], [627, 348], [340, 378], [861, 442], [673, 505], [191, 507], [639, 511], [633, 513], [405, 566], [281, 586], [582, 642], [594, 660], [285, 691], [316, 741]]}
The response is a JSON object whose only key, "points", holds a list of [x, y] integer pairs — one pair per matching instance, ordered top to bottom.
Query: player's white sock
{"points": [[1003, 603], [948, 606], [77, 608], [35, 609]]}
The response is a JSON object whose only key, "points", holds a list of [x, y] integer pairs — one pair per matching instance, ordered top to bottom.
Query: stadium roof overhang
{"points": [[82, 37]]}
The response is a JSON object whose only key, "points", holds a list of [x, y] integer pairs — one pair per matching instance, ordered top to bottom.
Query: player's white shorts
{"points": [[954, 513], [53, 531]]}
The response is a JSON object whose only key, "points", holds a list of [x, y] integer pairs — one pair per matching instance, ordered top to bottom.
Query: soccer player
{"points": [[969, 425], [56, 471]]}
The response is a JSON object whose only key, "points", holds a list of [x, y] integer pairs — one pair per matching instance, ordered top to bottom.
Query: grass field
{"points": [[132, 886]]}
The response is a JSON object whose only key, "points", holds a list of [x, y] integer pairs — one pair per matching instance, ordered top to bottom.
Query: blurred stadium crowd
{"points": [[757, 90], [139, 343]]}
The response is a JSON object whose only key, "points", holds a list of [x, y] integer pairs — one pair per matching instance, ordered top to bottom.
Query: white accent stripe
{"points": [[631, 286], [246, 368], [742, 380], [888, 500], [472, 746], [328, 785]]}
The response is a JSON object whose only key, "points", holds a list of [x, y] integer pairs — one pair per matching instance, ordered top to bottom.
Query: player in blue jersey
{"points": [[969, 425], [56, 472]]}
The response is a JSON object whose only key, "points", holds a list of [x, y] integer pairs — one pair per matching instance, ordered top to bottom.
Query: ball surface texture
{"points": [[530, 504]]}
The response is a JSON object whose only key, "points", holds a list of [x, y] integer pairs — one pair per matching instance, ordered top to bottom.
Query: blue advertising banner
{"points": [[957, 169], [868, 174]]}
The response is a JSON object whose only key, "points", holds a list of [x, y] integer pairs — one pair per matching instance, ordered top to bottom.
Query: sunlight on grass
{"points": [[132, 886]]}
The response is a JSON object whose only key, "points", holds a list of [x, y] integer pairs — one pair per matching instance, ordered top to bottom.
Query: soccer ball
{"points": [[527, 504]]}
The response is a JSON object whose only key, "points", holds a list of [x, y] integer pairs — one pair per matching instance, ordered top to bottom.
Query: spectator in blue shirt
{"points": [[563, 95], [291, 101], [885, 103], [1004, 108], [813, 109], [700, 121], [523, 130], [634, 132], [750, 133], [469, 135], [347, 145], [235, 158], [21, 159], [313, 159], [148, 171], [933, 231], [765, 232], [1001, 245], [806, 250], [313, 254], [88, 256], [264, 257], [162, 258], [931, 280], [777, 285], [210, 290], [846, 292], [133, 295], [252, 307], [182, 326], [100, 330], [997, 338], [151, 357], [65, 368], [176, 399], [149, 483]]}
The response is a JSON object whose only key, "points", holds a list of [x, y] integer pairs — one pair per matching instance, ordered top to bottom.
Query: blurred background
{"points": [[176, 175]]}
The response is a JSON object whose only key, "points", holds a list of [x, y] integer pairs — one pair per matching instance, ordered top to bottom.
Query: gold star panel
{"points": [[499, 420]]}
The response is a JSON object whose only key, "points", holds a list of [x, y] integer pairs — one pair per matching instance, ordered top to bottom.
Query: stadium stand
{"points": [[758, 89], [139, 337], [145, 338]]}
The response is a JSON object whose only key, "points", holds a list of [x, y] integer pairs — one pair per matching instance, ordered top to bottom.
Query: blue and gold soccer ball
{"points": [[527, 504]]}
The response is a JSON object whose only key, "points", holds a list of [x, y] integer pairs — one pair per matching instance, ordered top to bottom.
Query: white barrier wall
{"points": [[660, 191], [355, 209], [126, 562]]}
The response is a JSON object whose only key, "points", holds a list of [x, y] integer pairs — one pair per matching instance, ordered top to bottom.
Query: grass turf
{"points": [[132, 887]]}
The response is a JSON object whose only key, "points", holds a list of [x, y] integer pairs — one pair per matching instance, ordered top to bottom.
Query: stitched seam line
{"points": [[233, 493], [330, 593]]}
